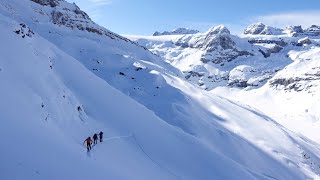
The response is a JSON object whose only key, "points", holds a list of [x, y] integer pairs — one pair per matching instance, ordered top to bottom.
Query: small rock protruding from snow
{"points": [[260, 28], [24, 31], [176, 32], [304, 41]]}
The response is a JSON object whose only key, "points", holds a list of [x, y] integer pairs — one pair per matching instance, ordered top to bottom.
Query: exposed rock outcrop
{"points": [[52, 3], [304, 41]]}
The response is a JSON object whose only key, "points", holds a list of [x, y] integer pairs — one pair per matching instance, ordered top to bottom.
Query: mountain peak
{"points": [[255, 28], [260, 28], [221, 29], [176, 31]]}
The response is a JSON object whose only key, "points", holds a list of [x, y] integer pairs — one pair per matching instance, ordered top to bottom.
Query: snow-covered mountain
{"points": [[260, 28], [176, 32], [217, 57], [277, 74], [65, 77]]}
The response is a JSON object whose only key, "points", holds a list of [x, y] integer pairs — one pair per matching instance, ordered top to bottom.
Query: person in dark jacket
{"points": [[101, 136], [95, 138], [88, 141]]}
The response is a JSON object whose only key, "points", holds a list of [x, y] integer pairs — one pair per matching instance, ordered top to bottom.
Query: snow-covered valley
{"points": [[64, 78]]}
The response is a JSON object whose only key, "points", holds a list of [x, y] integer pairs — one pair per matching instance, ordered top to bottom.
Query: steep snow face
{"points": [[176, 32], [100, 52], [48, 87], [43, 90], [291, 96]]}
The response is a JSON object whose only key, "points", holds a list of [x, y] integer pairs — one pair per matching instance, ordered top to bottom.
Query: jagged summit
{"points": [[63, 13], [256, 28], [260, 28], [220, 29], [176, 32], [215, 38]]}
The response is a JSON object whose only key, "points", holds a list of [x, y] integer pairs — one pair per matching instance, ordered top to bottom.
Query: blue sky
{"points": [[146, 16]]}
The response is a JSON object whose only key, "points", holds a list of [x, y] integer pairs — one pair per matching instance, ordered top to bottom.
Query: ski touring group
{"points": [[95, 138]]}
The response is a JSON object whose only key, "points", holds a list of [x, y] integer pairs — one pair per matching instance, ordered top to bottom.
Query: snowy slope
{"points": [[286, 66], [292, 95], [186, 133], [52, 135]]}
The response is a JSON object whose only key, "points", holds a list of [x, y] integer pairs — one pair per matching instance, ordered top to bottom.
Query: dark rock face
{"points": [[52, 3], [82, 13], [74, 21], [297, 29], [266, 41], [304, 41], [275, 49], [268, 52], [222, 57], [193, 74], [304, 82], [239, 83], [295, 84]]}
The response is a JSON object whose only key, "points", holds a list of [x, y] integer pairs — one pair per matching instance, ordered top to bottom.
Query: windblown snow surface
{"points": [[61, 83]]}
